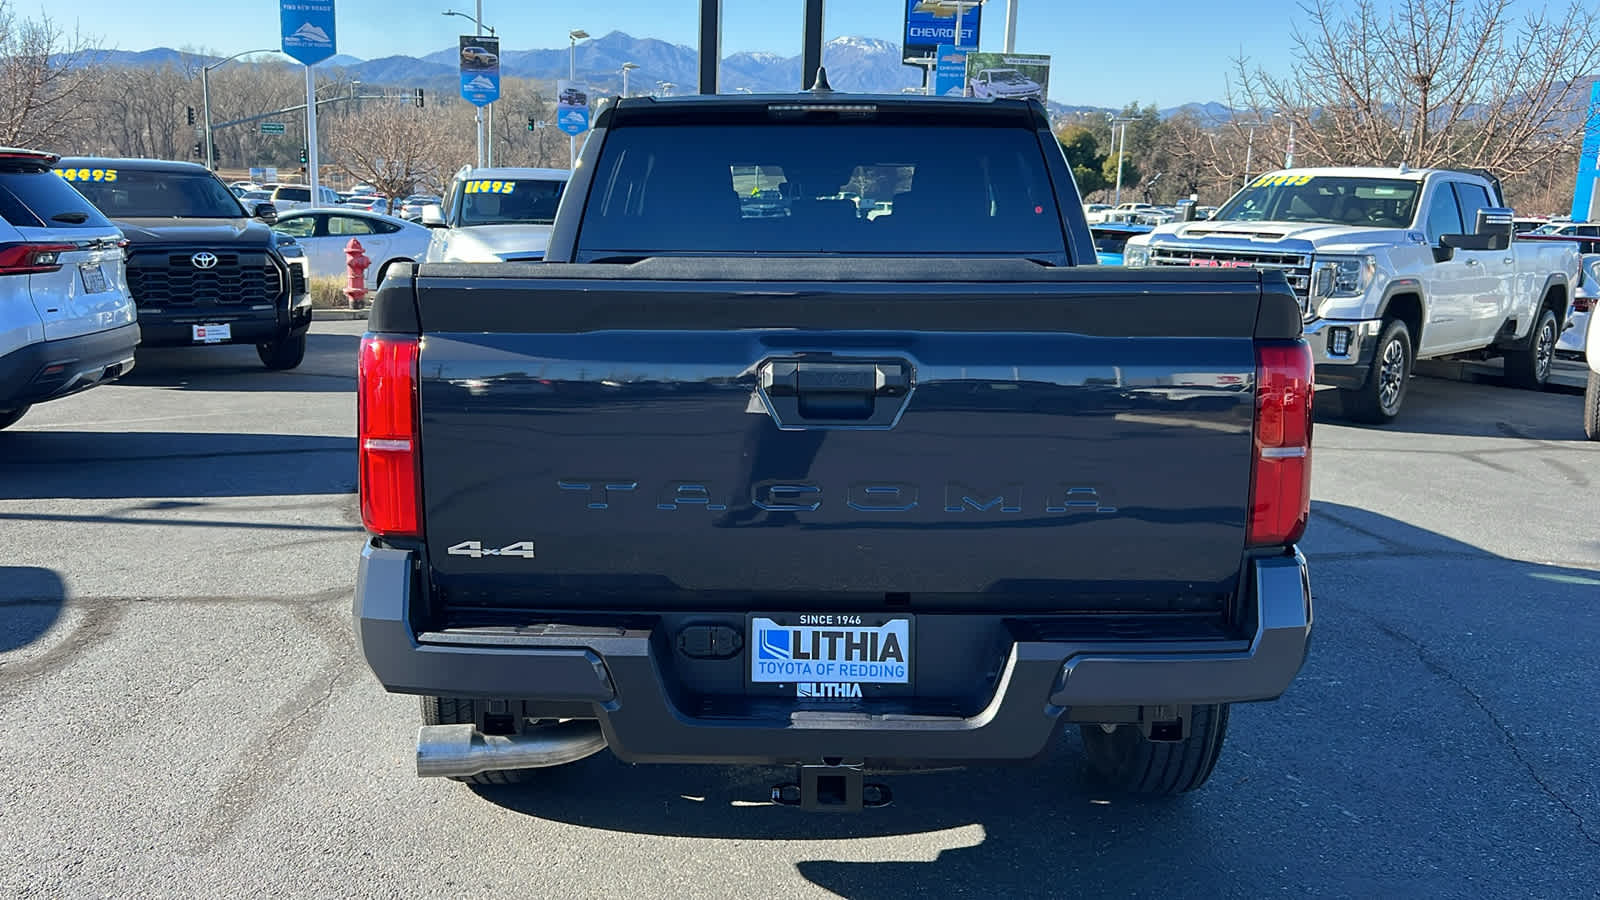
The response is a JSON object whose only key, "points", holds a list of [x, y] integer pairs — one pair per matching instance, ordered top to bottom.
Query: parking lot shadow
{"points": [[329, 366], [1487, 408], [95, 465], [30, 603], [1296, 773]]}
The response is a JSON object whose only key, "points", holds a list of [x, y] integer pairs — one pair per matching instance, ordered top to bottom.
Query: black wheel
{"points": [[283, 354], [1530, 366], [1378, 401], [1591, 407], [9, 417], [455, 711], [1127, 761]]}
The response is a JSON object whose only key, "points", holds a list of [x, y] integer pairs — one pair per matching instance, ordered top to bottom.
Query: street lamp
{"points": [[574, 36], [626, 68], [666, 88], [205, 99], [1123, 121], [485, 146], [1249, 146], [1288, 153]]}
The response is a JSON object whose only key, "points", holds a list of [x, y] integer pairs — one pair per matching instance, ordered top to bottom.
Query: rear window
{"points": [[821, 188], [41, 199]]}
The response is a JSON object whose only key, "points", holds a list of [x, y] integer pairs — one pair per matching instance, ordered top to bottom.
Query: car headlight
{"points": [[1136, 256], [1341, 276]]}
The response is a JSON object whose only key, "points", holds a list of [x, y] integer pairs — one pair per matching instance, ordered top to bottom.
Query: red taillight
{"points": [[32, 259], [386, 415], [1280, 480]]}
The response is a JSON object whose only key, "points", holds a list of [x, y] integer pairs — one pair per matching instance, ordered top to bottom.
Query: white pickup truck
{"points": [[1391, 266]]}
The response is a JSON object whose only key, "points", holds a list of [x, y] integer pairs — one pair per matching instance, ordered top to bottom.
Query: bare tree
{"points": [[42, 70], [1431, 83], [393, 148]]}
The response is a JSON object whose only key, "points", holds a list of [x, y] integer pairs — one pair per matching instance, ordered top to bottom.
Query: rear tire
{"points": [[283, 354], [1530, 367], [1378, 401], [1591, 407], [9, 417], [455, 711], [1125, 760]]}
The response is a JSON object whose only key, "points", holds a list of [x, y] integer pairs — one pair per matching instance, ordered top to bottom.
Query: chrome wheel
{"points": [[1545, 352], [1391, 375]]}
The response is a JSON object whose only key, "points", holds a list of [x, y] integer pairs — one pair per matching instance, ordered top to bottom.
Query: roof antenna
{"points": [[821, 85]]}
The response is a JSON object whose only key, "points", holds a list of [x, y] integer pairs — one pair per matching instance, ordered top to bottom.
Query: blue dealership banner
{"points": [[930, 23], [308, 33], [480, 69], [950, 72]]}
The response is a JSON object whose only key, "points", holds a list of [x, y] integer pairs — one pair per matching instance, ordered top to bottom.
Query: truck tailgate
{"points": [[677, 432]]}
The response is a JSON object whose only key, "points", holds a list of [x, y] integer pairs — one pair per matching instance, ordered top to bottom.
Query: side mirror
{"points": [[267, 213], [433, 215], [1498, 225]]}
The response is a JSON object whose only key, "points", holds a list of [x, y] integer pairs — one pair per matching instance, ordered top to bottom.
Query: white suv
{"points": [[66, 317]]}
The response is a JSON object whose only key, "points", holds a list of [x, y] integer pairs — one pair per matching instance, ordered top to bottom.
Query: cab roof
{"points": [[132, 165]]}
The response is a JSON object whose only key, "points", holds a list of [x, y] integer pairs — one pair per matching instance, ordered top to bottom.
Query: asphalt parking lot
{"points": [[185, 713]]}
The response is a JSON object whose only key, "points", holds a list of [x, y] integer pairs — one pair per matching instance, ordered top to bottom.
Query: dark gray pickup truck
{"points": [[893, 478]]}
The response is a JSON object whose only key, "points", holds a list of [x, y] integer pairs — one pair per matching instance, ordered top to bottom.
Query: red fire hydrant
{"points": [[356, 264]]}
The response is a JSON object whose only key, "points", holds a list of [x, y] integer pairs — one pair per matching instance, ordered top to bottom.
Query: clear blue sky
{"points": [[1105, 54]]}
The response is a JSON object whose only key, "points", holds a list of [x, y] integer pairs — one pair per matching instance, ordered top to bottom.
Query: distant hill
{"points": [[859, 64]]}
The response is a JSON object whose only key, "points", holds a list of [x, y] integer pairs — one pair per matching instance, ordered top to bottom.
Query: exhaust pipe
{"points": [[459, 750]]}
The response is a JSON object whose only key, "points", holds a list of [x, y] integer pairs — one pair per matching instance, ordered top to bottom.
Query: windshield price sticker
{"points": [[89, 174], [1286, 180], [490, 187]]}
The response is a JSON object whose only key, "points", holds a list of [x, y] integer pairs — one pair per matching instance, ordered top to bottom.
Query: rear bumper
{"points": [[52, 369], [1350, 369], [617, 673]]}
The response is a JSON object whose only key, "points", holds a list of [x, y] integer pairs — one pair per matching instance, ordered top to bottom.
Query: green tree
{"points": [[1083, 154]]}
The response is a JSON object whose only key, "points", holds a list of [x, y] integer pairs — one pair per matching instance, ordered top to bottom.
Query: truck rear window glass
{"points": [[821, 188], [158, 194], [41, 199], [1378, 202]]}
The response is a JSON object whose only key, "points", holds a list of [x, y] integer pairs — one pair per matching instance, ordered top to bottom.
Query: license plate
{"points": [[94, 280], [212, 334], [830, 649]]}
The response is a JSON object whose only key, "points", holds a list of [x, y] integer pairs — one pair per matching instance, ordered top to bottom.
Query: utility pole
{"points": [[1011, 26], [1122, 152]]}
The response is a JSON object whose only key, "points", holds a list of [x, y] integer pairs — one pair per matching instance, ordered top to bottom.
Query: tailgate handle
{"points": [[862, 394]]}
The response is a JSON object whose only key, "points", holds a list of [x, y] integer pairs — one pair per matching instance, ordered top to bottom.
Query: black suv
{"points": [[201, 270]]}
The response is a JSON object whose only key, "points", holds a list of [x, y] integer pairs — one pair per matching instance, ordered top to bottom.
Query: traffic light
{"points": [[419, 98], [191, 115], [530, 123], [199, 150], [304, 153]]}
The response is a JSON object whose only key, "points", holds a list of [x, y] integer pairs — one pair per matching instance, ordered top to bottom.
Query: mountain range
{"points": [[857, 64]]}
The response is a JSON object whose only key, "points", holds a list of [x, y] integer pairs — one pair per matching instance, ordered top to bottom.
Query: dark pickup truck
{"points": [[201, 269], [845, 492]]}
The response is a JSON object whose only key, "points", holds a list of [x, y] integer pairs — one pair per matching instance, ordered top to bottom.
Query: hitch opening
{"points": [[832, 788]]}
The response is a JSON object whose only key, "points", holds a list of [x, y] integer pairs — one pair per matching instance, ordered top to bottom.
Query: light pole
{"points": [[961, 13], [1011, 26], [573, 36], [626, 68], [666, 88], [205, 99], [1123, 121], [1249, 146], [485, 147], [1288, 153]]}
